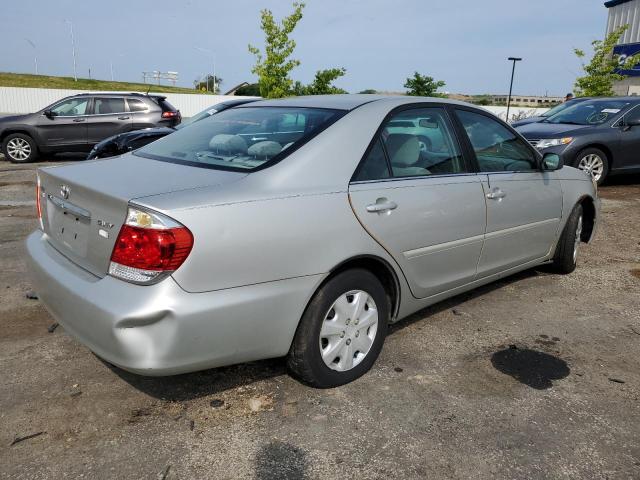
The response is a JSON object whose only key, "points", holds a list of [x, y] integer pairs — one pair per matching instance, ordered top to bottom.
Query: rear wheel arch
{"points": [[381, 269]]}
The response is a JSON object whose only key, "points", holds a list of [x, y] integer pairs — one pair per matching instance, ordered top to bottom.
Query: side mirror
{"points": [[49, 114], [632, 121], [551, 161]]}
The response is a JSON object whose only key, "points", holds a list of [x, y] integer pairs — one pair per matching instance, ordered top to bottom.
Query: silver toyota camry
{"points": [[298, 227]]}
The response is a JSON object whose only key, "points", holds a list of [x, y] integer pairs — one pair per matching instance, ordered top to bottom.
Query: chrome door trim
{"points": [[440, 247]]}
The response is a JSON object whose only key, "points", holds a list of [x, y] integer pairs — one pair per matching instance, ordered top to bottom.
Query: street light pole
{"points": [[73, 51], [35, 53], [213, 55], [513, 70]]}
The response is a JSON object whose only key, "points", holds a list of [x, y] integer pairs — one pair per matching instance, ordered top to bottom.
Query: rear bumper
{"points": [[161, 329]]}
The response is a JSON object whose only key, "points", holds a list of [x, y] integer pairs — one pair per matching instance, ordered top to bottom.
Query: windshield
{"points": [[557, 109], [590, 112], [241, 138]]}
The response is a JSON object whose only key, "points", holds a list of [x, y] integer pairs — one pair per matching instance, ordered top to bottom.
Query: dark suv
{"points": [[77, 123]]}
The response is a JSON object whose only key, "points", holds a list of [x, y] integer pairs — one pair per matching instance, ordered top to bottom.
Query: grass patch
{"points": [[45, 81]]}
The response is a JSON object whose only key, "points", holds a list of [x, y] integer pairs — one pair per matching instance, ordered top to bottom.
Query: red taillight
{"points": [[170, 114], [152, 249]]}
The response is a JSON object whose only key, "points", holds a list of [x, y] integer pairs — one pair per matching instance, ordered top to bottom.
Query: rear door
{"points": [[108, 117], [67, 125], [417, 196], [524, 203]]}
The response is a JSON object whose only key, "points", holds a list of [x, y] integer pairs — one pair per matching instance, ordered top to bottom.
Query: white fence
{"points": [[27, 100]]}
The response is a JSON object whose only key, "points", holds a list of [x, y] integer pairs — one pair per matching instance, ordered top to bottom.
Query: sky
{"points": [[379, 42]]}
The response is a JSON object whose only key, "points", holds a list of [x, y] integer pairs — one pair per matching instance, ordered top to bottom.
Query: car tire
{"points": [[19, 148], [593, 160], [566, 256], [328, 349]]}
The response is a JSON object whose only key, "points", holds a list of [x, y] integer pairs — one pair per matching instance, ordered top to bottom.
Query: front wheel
{"points": [[19, 148], [594, 162], [566, 256], [342, 330]]}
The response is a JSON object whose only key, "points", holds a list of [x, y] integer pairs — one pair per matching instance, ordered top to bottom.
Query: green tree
{"points": [[273, 67], [602, 71], [207, 83], [322, 83], [423, 86], [368, 90]]}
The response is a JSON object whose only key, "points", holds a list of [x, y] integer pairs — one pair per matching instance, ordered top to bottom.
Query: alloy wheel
{"points": [[18, 149], [593, 165], [348, 330]]}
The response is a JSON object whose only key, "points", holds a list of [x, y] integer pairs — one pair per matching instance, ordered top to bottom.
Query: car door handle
{"points": [[124, 118], [78, 120], [496, 194], [381, 205]]}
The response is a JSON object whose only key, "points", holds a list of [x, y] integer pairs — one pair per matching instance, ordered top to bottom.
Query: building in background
{"points": [[623, 12], [526, 100]]}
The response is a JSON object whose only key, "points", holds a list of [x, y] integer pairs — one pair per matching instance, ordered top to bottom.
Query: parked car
{"points": [[549, 113], [77, 123], [600, 136], [128, 141], [298, 227]]}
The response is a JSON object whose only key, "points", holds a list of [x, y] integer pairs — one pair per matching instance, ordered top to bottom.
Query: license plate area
{"points": [[69, 225]]}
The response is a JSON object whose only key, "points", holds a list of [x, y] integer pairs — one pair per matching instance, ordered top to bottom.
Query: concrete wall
{"points": [[27, 100]]}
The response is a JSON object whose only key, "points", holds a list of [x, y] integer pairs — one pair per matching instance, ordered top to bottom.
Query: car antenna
{"points": [[148, 90]]}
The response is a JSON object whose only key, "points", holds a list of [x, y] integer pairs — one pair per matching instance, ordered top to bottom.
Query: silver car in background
{"points": [[298, 227]]}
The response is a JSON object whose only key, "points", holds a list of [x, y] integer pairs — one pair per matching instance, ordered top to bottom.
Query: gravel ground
{"points": [[532, 377]]}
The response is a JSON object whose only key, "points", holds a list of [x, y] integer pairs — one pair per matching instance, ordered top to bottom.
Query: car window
{"points": [[136, 105], [104, 106], [71, 107], [590, 112], [241, 138], [420, 142], [497, 148], [374, 166]]}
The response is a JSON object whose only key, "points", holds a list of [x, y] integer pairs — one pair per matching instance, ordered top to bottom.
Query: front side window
{"points": [[105, 106], [71, 107], [241, 138], [497, 149]]}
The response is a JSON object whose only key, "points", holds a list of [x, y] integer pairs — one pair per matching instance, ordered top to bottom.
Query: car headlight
{"points": [[553, 142]]}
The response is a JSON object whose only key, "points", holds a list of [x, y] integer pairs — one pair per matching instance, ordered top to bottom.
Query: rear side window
{"points": [[136, 105], [102, 106], [166, 106], [241, 139], [414, 143], [496, 147]]}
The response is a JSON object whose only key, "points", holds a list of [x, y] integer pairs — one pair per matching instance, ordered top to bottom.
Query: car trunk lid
{"points": [[84, 206]]}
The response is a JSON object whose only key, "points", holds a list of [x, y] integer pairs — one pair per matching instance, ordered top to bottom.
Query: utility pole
{"points": [[73, 50], [35, 56], [213, 56], [513, 70]]}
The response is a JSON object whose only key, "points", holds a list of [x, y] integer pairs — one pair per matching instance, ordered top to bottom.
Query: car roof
{"points": [[346, 101]]}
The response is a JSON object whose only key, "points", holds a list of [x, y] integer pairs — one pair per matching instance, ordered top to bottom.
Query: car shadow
{"points": [[194, 385]]}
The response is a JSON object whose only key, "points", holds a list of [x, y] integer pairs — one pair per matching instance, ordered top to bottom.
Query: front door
{"points": [[109, 117], [66, 126], [629, 142], [415, 194], [524, 204]]}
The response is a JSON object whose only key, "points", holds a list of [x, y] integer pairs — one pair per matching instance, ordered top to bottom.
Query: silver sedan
{"points": [[298, 227]]}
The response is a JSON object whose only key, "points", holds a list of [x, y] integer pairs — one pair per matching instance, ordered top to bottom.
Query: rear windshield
{"points": [[589, 112], [241, 138]]}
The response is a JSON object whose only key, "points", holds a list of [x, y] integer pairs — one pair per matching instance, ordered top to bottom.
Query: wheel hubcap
{"points": [[18, 149], [593, 165], [576, 242], [348, 330]]}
